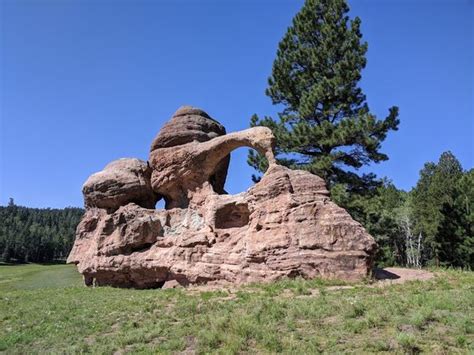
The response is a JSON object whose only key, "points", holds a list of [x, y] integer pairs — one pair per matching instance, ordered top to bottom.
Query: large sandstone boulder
{"points": [[121, 182], [283, 226]]}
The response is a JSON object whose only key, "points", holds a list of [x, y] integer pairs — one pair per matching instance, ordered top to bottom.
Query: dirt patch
{"points": [[399, 275], [382, 277], [342, 287], [191, 345]]}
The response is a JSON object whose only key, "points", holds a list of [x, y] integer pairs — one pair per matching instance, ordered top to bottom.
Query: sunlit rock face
{"points": [[283, 226]]}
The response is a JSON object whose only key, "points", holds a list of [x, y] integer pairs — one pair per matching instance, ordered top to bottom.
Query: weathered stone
{"points": [[188, 124], [122, 181], [283, 226]]}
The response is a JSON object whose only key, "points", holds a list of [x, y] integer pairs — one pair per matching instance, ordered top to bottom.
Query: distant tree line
{"points": [[433, 224], [36, 235]]}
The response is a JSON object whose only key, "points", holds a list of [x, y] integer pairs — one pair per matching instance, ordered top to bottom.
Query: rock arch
{"points": [[285, 225]]}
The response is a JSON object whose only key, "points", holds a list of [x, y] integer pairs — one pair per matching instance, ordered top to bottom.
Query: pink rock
{"points": [[122, 181], [283, 226]]}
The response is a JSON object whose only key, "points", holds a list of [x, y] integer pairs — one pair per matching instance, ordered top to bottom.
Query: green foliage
{"points": [[326, 126], [442, 207], [379, 211], [464, 216], [432, 224], [36, 235], [62, 317]]}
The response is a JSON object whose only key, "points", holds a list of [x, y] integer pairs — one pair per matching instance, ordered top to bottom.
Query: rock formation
{"points": [[283, 226]]}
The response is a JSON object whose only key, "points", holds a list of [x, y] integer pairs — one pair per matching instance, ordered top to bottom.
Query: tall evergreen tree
{"points": [[326, 126], [441, 207], [463, 253]]}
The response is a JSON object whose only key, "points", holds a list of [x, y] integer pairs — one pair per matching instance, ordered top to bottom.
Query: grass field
{"points": [[44, 309]]}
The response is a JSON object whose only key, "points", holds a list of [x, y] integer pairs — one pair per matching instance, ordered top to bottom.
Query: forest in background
{"points": [[431, 225], [37, 234]]}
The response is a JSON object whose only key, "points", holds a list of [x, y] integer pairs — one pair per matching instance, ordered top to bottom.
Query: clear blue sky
{"points": [[85, 82]]}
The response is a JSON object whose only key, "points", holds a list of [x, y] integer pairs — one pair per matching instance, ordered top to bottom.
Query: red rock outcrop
{"points": [[283, 226]]}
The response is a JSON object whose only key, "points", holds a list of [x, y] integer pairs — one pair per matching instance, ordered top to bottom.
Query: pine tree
{"points": [[326, 126], [425, 208], [438, 217], [464, 232]]}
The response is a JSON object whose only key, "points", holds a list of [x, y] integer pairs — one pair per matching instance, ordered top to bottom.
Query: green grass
{"points": [[34, 276], [43, 309]]}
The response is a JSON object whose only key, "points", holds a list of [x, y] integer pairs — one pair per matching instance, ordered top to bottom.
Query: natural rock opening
{"points": [[239, 173], [161, 204], [232, 215]]}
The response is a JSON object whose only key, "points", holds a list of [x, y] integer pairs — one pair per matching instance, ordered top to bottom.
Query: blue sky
{"points": [[85, 82]]}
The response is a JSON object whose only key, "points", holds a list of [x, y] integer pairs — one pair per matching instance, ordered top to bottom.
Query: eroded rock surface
{"points": [[121, 182], [283, 226]]}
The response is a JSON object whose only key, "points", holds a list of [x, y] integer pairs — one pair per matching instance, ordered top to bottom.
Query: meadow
{"points": [[45, 309]]}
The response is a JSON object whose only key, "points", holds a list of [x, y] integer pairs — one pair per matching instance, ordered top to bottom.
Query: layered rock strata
{"points": [[283, 226]]}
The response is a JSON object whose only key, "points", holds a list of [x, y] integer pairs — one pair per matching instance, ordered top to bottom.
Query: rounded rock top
{"points": [[190, 110], [187, 124]]}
